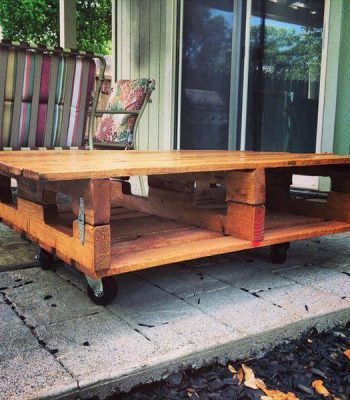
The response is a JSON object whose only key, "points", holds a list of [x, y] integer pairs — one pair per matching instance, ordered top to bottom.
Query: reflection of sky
{"points": [[228, 16], [277, 24]]}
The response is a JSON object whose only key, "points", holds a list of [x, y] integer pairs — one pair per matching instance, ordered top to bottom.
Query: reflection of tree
{"points": [[207, 42], [289, 54]]}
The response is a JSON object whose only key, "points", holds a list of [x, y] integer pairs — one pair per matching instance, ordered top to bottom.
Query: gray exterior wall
{"points": [[145, 34]]}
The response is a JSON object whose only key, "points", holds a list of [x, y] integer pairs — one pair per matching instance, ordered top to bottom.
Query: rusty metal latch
{"points": [[81, 220]]}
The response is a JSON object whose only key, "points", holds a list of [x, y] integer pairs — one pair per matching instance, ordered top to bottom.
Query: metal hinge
{"points": [[81, 220]]}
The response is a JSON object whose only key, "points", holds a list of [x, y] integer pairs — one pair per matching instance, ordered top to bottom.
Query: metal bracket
{"points": [[81, 220], [96, 285]]}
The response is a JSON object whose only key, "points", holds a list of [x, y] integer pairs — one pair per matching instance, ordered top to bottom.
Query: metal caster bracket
{"points": [[96, 285]]}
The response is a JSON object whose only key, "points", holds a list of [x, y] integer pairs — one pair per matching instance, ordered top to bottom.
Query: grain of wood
{"points": [[84, 164], [185, 215], [29, 217], [308, 227]]}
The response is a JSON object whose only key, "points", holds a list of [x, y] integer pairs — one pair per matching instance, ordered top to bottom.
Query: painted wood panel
{"points": [[146, 47]]}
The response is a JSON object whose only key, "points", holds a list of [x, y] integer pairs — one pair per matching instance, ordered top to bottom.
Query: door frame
{"points": [[177, 142]]}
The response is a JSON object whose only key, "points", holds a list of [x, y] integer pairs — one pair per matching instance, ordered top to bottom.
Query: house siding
{"points": [[146, 35]]}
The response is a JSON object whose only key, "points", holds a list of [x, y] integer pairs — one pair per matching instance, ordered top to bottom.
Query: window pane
{"points": [[206, 71], [284, 74]]}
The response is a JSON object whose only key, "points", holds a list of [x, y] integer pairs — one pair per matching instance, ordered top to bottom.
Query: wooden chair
{"points": [[45, 95], [125, 107]]}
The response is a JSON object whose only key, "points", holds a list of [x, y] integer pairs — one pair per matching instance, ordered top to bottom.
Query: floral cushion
{"points": [[125, 95]]}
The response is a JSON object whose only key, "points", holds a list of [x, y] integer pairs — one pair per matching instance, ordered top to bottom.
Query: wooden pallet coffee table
{"points": [[200, 203]]}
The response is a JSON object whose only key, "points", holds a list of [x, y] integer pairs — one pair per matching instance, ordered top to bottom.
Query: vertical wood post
{"points": [[68, 24], [114, 40], [245, 199]]}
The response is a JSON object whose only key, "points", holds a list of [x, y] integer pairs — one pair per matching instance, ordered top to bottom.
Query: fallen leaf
{"points": [[347, 353], [232, 369], [240, 376], [249, 378], [252, 382], [320, 388], [190, 392], [278, 395]]}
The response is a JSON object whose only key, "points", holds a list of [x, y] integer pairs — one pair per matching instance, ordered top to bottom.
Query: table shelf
{"points": [[140, 240]]}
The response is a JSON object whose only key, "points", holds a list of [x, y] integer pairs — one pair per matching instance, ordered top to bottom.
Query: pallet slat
{"points": [[85, 164], [200, 203], [305, 228]]}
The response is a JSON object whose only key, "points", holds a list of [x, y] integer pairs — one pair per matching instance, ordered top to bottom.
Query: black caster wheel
{"points": [[279, 252], [45, 259], [110, 291]]}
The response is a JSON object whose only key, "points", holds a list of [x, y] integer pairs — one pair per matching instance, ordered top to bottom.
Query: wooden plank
{"points": [[83, 164], [172, 182], [246, 186], [35, 191], [96, 195], [338, 206], [308, 208], [175, 210], [279, 220], [245, 221], [131, 228], [163, 239], [224, 244], [93, 255]]}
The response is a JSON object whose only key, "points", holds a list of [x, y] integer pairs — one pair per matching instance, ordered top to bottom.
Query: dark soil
{"points": [[289, 367]]}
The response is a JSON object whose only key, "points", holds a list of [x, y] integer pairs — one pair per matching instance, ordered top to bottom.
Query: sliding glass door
{"points": [[206, 74], [250, 74], [284, 75]]}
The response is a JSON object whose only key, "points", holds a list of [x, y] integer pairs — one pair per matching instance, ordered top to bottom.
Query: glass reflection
{"points": [[206, 70], [284, 74]]}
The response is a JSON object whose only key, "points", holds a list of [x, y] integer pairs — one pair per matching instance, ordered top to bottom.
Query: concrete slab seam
{"points": [[43, 345]]}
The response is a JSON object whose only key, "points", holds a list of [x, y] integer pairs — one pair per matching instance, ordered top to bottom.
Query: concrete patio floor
{"points": [[55, 343]]}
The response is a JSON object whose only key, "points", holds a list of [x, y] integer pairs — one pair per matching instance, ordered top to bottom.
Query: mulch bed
{"points": [[292, 367]]}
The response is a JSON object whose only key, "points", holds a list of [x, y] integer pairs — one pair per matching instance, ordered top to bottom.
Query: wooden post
{"points": [[68, 24], [114, 40], [245, 198]]}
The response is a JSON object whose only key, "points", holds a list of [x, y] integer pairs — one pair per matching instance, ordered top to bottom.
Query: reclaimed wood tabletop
{"points": [[85, 164]]}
